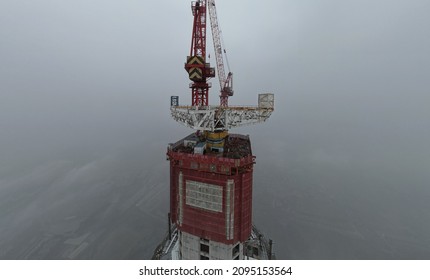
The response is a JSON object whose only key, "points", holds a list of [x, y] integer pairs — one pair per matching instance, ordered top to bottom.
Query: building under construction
{"points": [[211, 170]]}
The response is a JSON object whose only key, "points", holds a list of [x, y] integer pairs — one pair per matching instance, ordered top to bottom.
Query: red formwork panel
{"points": [[174, 176], [245, 222], [210, 224]]}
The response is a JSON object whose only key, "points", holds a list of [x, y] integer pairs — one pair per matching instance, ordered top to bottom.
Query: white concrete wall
{"points": [[189, 246]]}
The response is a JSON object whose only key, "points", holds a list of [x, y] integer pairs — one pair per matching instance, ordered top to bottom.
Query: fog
{"points": [[342, 165]]}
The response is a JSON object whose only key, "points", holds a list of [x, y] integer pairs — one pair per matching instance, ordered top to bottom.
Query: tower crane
{"points": [[200, 115]]}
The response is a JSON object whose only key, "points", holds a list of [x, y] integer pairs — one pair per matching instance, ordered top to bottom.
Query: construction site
{"points": [[211, 170]]}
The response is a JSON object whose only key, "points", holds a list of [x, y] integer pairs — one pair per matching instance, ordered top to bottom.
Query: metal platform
{"points": [[219, 118]]}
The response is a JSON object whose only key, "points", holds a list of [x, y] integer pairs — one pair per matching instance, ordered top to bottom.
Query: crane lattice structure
{"points": [[226, 83], [200, 116]]}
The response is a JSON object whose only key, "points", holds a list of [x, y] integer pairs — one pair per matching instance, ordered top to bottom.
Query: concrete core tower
{"points": [[211, 196]]}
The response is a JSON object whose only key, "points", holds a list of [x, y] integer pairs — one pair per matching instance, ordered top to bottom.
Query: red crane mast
{"points": [[198, 70]]}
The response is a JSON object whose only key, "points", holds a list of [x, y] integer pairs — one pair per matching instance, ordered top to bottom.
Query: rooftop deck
{"points": [[236, 146]]}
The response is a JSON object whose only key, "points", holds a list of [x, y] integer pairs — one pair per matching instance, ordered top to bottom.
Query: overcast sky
{"points": [[63, 57], [76, 72], [82, 78]]}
